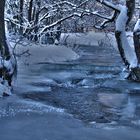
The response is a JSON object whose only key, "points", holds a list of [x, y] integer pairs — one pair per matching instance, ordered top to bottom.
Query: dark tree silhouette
{"points": [[7, 61]]}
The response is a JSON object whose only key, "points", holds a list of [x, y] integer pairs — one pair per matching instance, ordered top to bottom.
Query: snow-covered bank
{"points": [[90, 38], [94, 39], [48, 53], [60, 53]]}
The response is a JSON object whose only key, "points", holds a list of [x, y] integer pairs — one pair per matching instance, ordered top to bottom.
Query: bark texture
{"points": [[21, 16], [136, 38], [4, 50], [5, 54], [134, 72]]}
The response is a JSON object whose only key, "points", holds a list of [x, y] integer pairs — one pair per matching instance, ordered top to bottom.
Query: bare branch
{"points": [[109, 4], [109, 20], [59, 21]]}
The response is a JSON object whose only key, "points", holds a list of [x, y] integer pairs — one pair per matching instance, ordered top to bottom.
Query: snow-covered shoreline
{"points": [[89, 38], [93, 38], [43, 53], [47, 53]]}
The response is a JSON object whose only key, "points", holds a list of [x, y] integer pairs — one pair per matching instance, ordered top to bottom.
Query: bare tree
{"points": [[21, 3], [121, 15], [4, 50], [130, 56]]}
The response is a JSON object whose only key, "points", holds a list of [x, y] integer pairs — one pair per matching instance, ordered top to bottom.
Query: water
{"points": [[84, 99]]}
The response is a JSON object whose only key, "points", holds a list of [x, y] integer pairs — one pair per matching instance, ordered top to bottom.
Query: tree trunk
{"points": [[38, 3], [30, 10], [21, 16], [118, 35], [136, 38], [4, 50], [126, 52], [6, 72]]}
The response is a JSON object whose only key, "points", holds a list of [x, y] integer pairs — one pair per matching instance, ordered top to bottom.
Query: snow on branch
{"points": [[62, 3], [70, 4], [109, 4], [94, 13], [80, 14], [111, 19], [59, 21], [137, 26]]}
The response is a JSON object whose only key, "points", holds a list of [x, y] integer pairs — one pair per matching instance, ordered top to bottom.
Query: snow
{"points": [[108, 4], [122, 18], [121, 26], [137, 26], [90, 38], [93, 38], [129, 51], [48, 53], [38, 54], [8, 64], [32, 106]]}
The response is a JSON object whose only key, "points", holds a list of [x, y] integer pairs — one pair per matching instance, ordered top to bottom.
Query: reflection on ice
{"points": [[113, 100], [129, 110]]}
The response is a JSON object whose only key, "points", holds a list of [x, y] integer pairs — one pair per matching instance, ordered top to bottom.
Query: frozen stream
{"points": [[84, 99]]}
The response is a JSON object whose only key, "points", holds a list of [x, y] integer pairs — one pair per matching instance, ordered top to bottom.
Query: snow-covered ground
{"points": [[90, 38], [93, 38], [36, 53], [48, 53], [47, 95]]}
